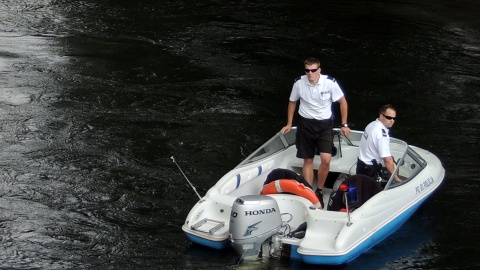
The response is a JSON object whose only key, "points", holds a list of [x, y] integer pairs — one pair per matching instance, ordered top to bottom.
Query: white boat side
{"points": [[331, 237]]}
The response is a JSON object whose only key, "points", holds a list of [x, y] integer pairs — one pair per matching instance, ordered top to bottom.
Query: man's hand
{"points": [[286, 129], [345, 131], [397, 179]]}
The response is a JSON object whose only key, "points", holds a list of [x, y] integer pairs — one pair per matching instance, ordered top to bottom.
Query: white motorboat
{"points": [[234, 213]]}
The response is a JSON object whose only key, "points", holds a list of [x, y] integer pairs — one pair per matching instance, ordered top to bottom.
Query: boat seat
{"points": [[281, 173], [366, 187]]}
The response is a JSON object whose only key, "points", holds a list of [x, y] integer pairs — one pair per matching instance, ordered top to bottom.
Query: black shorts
{"points": [[313, 137]]}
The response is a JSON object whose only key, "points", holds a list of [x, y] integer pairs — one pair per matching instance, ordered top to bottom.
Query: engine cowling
{"points": [[253, 220]]}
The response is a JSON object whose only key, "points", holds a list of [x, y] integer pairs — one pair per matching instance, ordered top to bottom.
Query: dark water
{"points": [[97, 95]]}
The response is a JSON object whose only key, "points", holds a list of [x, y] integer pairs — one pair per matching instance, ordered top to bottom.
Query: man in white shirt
{"points": [[316, 93], [375, 144]]}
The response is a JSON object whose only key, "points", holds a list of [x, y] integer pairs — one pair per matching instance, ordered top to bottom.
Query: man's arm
{"points": [[292, 105], [344, 114], [390, 165]]}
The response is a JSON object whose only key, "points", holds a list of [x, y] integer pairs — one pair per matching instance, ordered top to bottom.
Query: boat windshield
{"points": [[276, 143], [407, 167]]}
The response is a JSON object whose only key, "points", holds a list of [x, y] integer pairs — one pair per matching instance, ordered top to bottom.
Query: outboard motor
{"points": [[253, 220]]}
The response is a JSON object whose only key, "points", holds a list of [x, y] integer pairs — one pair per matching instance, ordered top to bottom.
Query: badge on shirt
{"points": [[384, 133]]}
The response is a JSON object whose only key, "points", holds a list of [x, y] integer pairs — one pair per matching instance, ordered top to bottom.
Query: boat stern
{"points": [[208, 222]]}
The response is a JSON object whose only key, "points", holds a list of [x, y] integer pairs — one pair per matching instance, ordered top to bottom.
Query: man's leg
{"points": [[323, 169], [307, 170]]}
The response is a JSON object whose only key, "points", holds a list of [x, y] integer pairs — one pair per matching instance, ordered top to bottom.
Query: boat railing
{"points": [[352, 139]]}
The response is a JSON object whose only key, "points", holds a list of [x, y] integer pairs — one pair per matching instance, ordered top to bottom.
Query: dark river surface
{"points": [[97, 95]]}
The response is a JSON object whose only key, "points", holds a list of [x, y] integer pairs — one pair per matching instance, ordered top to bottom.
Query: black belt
{"points": [[324, 121], [363, 164], [370, 170]]}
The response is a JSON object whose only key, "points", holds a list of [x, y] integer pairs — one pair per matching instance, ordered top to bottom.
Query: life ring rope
{"points": [[278, 186]]}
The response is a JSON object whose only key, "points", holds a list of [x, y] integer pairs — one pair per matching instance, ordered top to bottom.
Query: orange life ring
{"points": [[291, 186]]}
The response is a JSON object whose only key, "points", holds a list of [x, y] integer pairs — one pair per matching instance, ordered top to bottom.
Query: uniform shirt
{"points": [[316, 100], [375, 143]]}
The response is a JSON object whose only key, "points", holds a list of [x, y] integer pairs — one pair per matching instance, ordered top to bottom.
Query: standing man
{"points": [[316, 93], [375, 144]]}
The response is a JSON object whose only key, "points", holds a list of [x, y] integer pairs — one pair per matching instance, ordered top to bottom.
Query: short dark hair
{"points": [[312, 61], [384, 108]]}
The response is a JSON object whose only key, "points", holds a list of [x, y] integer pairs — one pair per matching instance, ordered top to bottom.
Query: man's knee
{"points": [[325, 160], [308, 162], [324, 166]]}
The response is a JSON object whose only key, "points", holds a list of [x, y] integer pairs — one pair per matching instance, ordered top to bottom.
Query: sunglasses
{"points": [[311, 70], [389, 117]]}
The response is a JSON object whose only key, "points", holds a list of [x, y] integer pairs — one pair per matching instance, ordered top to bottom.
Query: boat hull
{"points": [[331, 237], [208, 243], [366, 245]]}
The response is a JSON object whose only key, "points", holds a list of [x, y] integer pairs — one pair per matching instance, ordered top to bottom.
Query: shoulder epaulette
{"points": [[331, 78]]}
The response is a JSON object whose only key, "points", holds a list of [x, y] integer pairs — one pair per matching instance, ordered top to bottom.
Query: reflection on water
{"points": [[96, 96]]}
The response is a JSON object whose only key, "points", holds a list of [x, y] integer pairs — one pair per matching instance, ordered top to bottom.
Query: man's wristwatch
{"points": [[345, 125]]}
